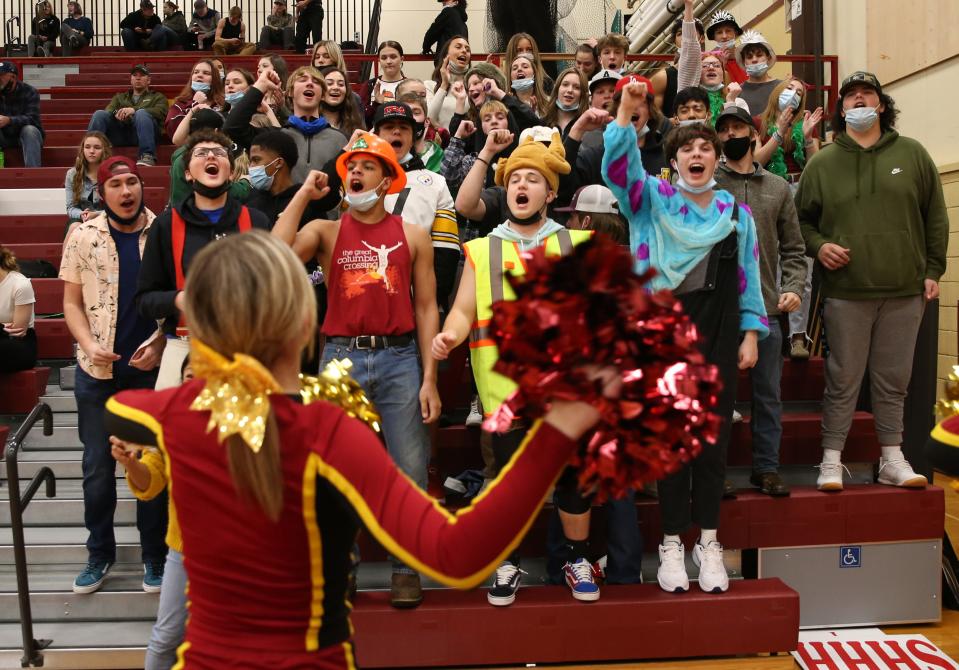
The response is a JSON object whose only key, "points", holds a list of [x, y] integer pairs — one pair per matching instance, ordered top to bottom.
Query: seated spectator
{"points": [[174, 24], [202, 29], [76, 30], [139, 30], [44, 31], [278, 31], [231, 35], [612, 49], [328, 52], [756, 56], [587, 61], [204, 90], [569, 100], [339, 107], [20, 115], [133, 117], [317, 141], [179, 187], [83, 196], [594, 207], [206, 214], [18, 341]]}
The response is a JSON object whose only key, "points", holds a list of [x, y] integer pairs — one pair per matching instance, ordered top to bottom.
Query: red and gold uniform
{"points": [[273, 594]]}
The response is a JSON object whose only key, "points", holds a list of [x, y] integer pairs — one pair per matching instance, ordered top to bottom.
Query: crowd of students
{"points": [[408, 203]]}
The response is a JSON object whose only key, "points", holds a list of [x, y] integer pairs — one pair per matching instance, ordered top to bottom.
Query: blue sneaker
{"points": [[92, 576], [152, 576], [581, 580]]}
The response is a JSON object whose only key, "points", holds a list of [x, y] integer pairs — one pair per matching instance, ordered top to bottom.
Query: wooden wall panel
{"points": [[903, 37]]}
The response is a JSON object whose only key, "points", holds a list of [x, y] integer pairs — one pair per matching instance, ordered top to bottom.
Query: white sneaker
{"points": [[475, 417], [737, 417], [898, 472], [830, 476], [671, 574], [713, 577]]}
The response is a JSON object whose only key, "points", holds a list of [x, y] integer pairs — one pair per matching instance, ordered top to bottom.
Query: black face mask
{"points": [[737, 147], [211, 192], [529, 220], [124, 221]]}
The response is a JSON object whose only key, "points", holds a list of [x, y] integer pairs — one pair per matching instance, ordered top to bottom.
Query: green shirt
{"points": [[180, 188]]}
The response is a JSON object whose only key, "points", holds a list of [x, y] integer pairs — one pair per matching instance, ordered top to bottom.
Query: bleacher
{"points": [[762, 612]]}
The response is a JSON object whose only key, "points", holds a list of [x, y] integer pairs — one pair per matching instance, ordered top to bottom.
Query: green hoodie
{"points": [[885, 205]]}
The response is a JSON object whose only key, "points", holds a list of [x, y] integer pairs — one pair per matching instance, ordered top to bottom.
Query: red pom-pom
{"points": [[590, 308]]}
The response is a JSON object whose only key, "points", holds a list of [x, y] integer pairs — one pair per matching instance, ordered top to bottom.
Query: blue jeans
{"points": [[133, 41], [141, 131], [28, 138], [391, 378], [767, 406], [99, 469], [168, 630]]}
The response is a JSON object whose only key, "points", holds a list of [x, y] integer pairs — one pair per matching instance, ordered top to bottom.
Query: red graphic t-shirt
{"points": [[369, 279]]}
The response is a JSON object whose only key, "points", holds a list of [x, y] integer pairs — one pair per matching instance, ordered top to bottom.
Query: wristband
{"points": [[778, 137], [483, 160]]}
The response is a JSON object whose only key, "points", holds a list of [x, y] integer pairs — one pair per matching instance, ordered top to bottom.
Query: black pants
{"points": [[309, 21], [716, 315], [18, 353]]}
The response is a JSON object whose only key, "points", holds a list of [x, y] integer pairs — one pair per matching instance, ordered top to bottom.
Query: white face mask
{"points": [[729, 44], [862, 119], [691, 122], [681, 183], [363, 202]]}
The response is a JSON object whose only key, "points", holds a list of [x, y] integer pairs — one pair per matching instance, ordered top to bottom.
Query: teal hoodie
{"points": [[884, 204]]}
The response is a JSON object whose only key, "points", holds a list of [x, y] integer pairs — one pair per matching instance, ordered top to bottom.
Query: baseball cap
{"points": [[146, 4], [199, 4], [8, 67], [140, 67], [603, 77], [860, 77], [637, 78], [390, 111], [736, 112], [206, 118], [116, 165], [594, 199]]}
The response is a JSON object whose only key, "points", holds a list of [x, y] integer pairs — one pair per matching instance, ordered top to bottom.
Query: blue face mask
{"points": [[726, 45], [757, 69], [522, 85], [199, 86], [712, 87], [233, 98], [787, 99], [568, 108], [861, 119], [308, 128], [260, 179], [708, 186], [364, 201]]}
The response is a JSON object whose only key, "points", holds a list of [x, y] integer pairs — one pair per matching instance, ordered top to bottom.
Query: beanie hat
{"points": [[486, 71], [530, 154]]}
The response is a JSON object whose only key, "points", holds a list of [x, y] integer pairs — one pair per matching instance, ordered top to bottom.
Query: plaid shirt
{"points": [[22, 105]]}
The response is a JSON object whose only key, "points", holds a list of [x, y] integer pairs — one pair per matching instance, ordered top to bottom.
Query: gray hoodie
{"points": [[777, 227], [505, 232]]}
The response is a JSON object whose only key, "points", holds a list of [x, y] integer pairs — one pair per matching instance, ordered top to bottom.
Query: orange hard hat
{"points": [[370, 144]]}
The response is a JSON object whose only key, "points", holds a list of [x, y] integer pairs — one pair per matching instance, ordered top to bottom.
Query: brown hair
{"points": [[613, 40], [307, 70], [216, 85], [413, 99], [552, 110], [770, 115], [350, 118], [207, 135], [683, 135], [80, 165], [612, 225], [8, 261], [269, 305]]}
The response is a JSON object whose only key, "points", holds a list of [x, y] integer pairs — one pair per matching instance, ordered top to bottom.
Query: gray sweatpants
{"points": [[878, 333]]}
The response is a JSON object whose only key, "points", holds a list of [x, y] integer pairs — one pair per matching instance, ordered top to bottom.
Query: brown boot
{"points": [[769, 483], [405, 591]]}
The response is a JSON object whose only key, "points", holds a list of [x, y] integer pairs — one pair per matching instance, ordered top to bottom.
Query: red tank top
{"points": [[369, 280]]}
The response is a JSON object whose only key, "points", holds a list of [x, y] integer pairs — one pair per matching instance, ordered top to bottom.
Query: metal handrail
{"points": [[18, 503]]}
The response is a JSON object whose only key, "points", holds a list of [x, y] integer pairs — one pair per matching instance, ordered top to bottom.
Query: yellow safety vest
{"points": [[491, 258]]}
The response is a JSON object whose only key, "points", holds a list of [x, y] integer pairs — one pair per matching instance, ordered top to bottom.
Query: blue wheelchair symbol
{"points": [[850, 557]]}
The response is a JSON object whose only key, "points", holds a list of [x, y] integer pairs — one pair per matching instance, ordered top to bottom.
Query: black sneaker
{"points": [[505, 585]]}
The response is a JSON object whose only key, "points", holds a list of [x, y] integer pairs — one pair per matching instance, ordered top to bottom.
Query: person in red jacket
{"points": [[278, 492]]}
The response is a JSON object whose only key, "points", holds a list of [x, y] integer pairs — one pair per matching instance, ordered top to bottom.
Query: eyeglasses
{"points": [[712, 66], [203, 152]]}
